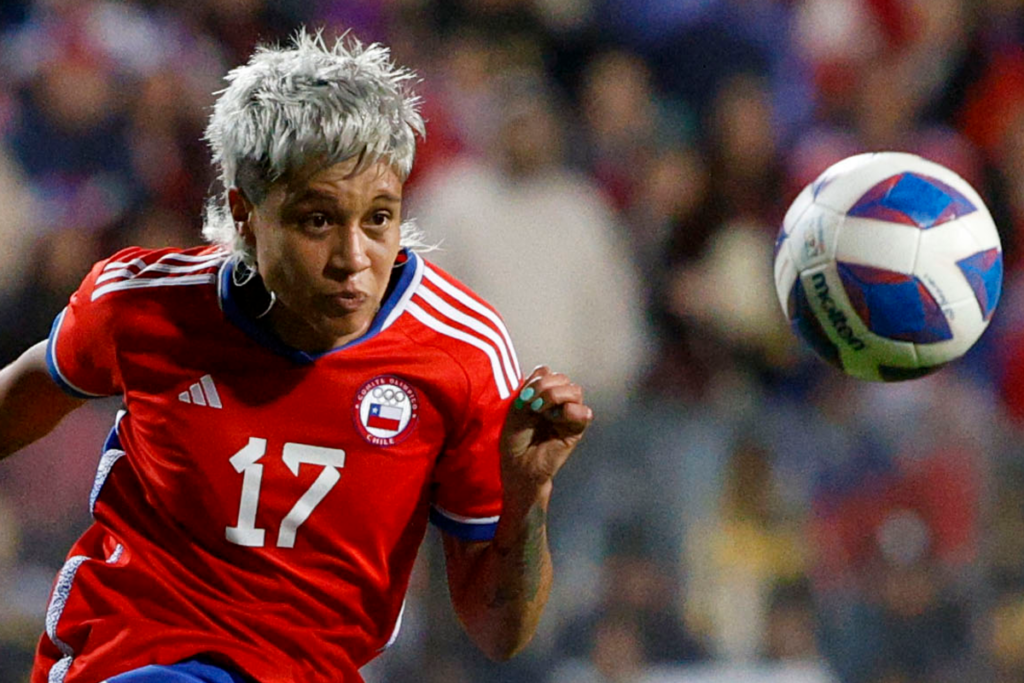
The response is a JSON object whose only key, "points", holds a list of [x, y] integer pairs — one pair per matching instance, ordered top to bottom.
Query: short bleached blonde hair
{"points": [[304, 103]]}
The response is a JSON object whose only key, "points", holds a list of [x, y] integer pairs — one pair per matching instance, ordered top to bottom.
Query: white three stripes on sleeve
{"points": [[184, 258], [141, 264], [157, 267], [120, 275], [474, 305], [444, 308], [493, 341], [500, 379]]}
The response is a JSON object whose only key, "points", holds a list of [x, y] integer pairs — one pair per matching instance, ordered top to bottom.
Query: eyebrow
{"points": [[309, 195], [316, 195]]}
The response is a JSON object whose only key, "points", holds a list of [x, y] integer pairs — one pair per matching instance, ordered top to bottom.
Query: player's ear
{"points": [[241, 212]]}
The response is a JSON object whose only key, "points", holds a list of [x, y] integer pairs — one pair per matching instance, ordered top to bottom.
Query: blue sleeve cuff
{"points": [[466, 528]]}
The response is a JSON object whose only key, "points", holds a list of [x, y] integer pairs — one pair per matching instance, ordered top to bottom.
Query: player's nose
{"points": [[349, 250]]}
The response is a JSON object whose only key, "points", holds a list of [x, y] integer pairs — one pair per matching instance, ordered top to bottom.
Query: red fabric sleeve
{"points": [[82, 354], [467, 479]]}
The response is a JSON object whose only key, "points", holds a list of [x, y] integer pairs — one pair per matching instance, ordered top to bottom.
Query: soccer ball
{"points": [[889, 266]]}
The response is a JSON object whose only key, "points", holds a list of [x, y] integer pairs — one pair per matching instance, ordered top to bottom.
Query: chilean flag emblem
{"points": [[386, 410], [384, 417]]}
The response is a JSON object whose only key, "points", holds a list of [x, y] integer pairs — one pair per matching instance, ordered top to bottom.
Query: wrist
{"points": [[517, 501]]}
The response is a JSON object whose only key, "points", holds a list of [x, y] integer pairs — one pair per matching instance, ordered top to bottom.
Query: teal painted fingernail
{"points": [[526, 394], [518, 403], [537, 403]]}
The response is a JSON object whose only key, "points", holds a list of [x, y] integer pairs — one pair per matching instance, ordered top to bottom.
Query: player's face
{"points": [[325, 245]]}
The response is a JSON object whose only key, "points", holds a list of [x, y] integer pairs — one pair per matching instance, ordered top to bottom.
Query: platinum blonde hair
{"points": [[288, 107]]}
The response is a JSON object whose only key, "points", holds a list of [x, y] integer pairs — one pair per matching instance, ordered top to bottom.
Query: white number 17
{"points": [[294, 454]]}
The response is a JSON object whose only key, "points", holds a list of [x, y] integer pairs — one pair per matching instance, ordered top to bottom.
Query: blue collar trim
{"points": [[405, 276]]}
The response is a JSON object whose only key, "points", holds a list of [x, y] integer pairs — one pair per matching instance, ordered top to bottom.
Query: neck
{"points": [[300, 334]]}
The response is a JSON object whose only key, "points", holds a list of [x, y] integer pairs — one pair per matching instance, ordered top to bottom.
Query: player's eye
{"points": [[380, 219], [316, 222]]}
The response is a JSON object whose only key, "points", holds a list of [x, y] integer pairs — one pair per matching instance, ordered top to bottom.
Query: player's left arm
{"points": [[499, 588]]}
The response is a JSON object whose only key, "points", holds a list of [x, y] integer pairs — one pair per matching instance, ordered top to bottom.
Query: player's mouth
{"points": [[342, 303]]}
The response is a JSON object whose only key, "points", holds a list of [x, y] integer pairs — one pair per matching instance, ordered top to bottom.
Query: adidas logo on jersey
{"points": [[202, 393]]}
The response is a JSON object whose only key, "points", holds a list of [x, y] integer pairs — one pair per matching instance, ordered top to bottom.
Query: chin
{"points": [[344, 331]]}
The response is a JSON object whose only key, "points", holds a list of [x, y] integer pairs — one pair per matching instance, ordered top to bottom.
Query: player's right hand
{"points": [[544, 424]]}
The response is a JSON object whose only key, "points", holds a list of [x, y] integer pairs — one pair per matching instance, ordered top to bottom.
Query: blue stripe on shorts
{"points": [[190, 671]]}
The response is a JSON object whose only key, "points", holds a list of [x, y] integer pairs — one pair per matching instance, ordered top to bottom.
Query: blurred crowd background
{"points": [[611, 175]]}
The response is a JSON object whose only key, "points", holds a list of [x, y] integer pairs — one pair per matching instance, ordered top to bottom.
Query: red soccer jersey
{"points": [[256, 503]]}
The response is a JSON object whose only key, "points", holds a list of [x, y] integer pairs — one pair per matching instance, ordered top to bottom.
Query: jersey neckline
{"points": [[405, 278]]}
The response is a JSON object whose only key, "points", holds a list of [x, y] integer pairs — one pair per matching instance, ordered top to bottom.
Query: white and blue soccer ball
{"points": [[889, 266]]}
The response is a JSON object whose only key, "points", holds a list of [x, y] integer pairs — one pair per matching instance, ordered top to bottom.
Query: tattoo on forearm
{"points": [[524, 578]]}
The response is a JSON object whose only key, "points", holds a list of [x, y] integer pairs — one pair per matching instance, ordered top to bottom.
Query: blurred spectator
{"points": [[237, 25], [465, 92], [624, 121], [69, 136], [670, 187], [17, 214], [502, 220], [57, 263], [715, 296], [894, 551], [734, 560], [634, 624], [910, 626], [616, 654]]}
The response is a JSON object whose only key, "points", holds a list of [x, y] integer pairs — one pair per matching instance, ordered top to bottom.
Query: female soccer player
{"points": [[299, 399]]}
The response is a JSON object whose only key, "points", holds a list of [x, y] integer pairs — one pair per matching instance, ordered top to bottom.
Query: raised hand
{"points": [[543, 426]]}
